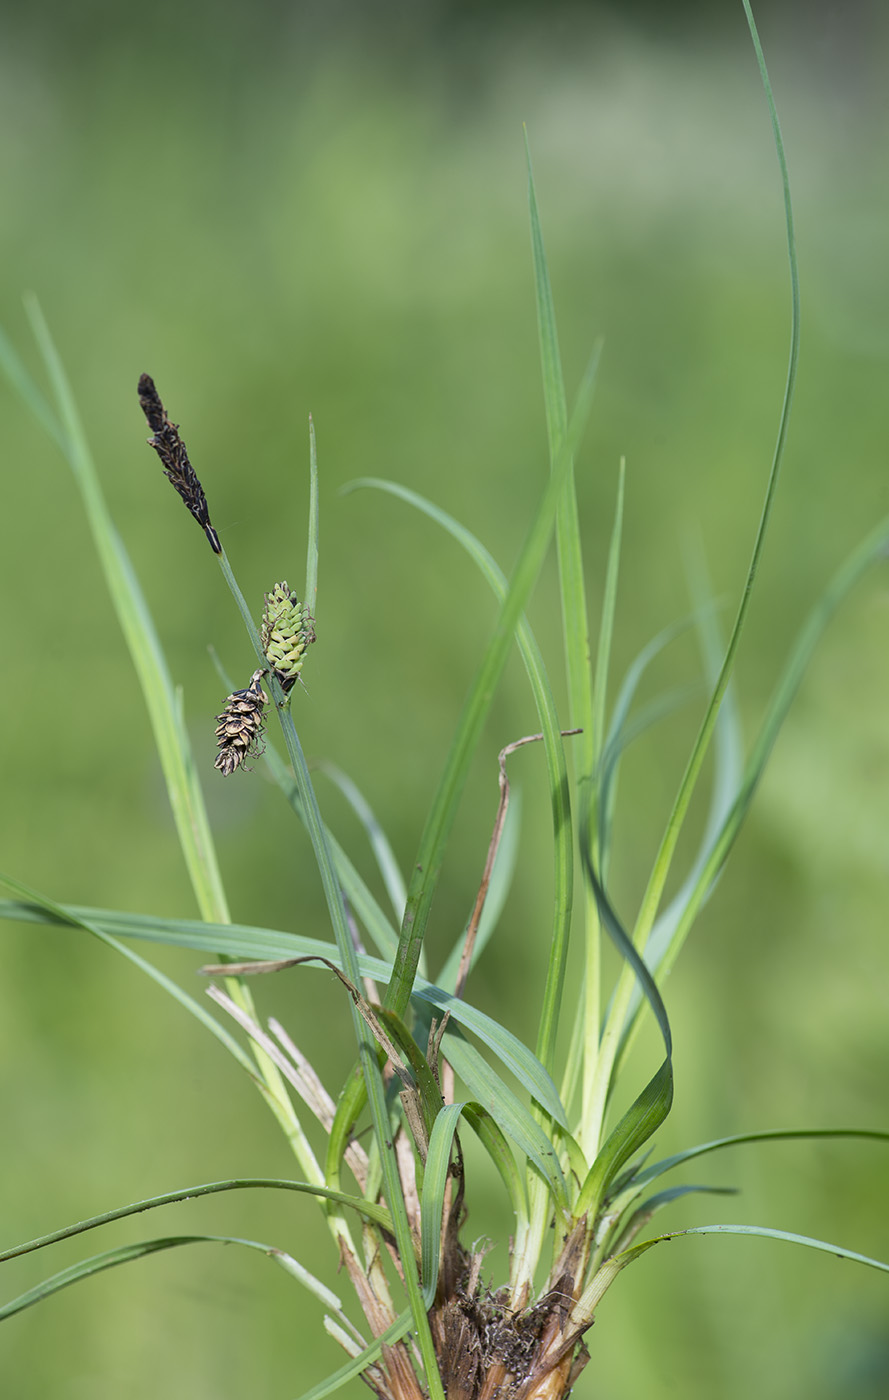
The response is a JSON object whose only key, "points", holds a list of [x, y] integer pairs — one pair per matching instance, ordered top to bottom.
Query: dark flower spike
{"points": [[171, 449], [287, 629], [239, 727]]}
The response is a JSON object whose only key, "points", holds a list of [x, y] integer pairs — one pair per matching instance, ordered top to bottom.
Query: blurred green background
{"points": [[282, 209]]}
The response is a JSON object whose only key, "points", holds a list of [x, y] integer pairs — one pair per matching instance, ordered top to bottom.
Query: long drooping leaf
{"points": [[58, 913], [669, 929], [247, 941], [648, 1174], [368, 1209], [627, 1232], [764, 1232], [112, 1257], [582, 1314]]}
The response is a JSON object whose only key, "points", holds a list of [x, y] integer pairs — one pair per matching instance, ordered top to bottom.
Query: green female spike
{"points": [[287, 629]]}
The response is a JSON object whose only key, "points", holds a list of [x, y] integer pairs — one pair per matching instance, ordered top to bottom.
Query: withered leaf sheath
{"points": [[171, 449], [287, 629], [239, 727]]}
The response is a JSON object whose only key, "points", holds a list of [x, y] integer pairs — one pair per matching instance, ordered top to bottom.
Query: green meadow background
{"points": [[279, 210]]}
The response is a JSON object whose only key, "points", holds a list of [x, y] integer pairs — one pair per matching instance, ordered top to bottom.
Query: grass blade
{"points": [[873, 549], [183, 787], [379, 843], [563, 850], [430, 855], [663, 860], [652, 896], [59, 914], [258, 944], [519, 1125], [496, 1144], [648, 1174], [435, 1179], [368, 1209], [764, 1232], [111, 1258], [354, 1368]]}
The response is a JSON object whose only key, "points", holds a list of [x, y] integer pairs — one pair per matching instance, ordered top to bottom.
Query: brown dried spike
{"points": [[239, 727]]}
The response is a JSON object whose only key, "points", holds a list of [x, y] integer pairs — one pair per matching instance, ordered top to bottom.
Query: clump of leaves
{"points": [[581, 1187]]}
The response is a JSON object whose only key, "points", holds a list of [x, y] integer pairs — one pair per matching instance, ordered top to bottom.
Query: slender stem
{"points": [[367, 1049]]}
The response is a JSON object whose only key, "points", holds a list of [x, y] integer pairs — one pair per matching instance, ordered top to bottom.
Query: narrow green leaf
{"points": [[13, 367], [873, 549], [606, 623], [728, 764], [180, 774], [376, 836], [563, 849], [430, 855], [654, 891], [64, 916], [247, 941], [624, 946], [517, 1058], [373, 1091], [428, 1092], [652, 1106], [641, 1120], [519, 1125], [496, 1144], [435, 1178], [641, 1178], [369, 1210], [643, 1213], [765, 1233], [112, 1257], [583, 1312], [581, 1315], [354, 1368]]}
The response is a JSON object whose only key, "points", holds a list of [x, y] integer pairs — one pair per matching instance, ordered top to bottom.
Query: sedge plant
{"points": [[429, 1067]]}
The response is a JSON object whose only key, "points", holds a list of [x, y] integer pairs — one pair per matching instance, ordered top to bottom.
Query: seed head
{"points": [[171, 449], [287, 629], [239, 727]]}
